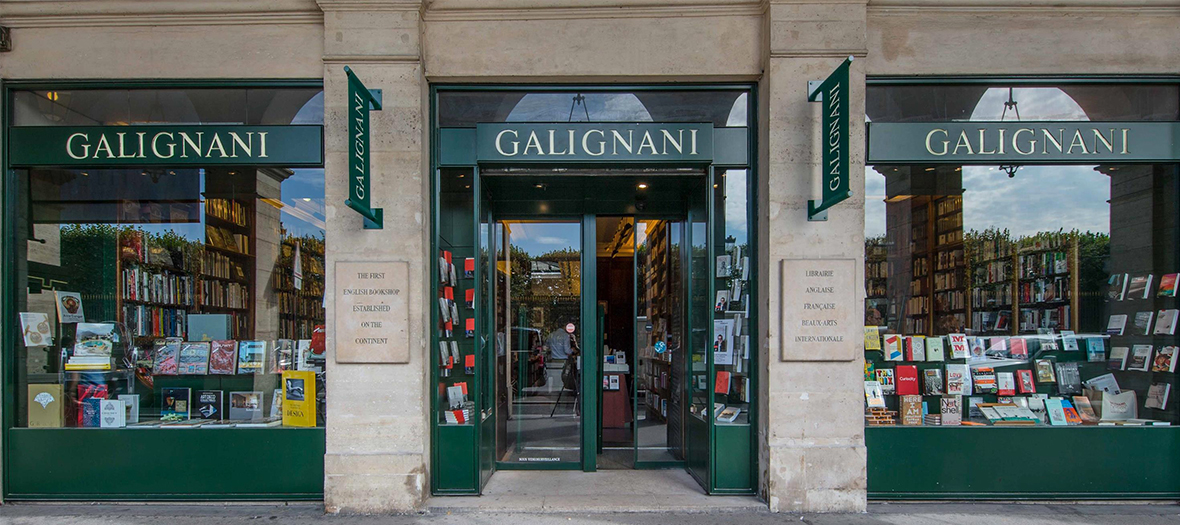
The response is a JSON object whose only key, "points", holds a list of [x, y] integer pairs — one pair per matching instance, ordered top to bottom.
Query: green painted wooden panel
{"points": [[698, 449], [732, 458], [1016, 463], [165, 464], [457, 471]]}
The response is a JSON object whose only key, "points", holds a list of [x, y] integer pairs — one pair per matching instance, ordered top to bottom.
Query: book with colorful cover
{"points": [[1167, 285], [1139, 287], [872, 338], [1069, 341], [959, 347], [893, 348], [915, 348], [977, 348], [1018, 348], [1095, 350], [282, 356], [223, 357], [251, 357], [1140, 358], [193, 359], [1165, 360], [165, 363], [1044, 369], [870, 371], [907, 380], [958, 380], [984, 380], [1024, 380], [886, 381], [1005, 384], [86, 393], [874, 398], [299, 399], [175, 402], [210, 404], [1085, 409], [911, 410], [951, 410], [1056, 411], [1071, 414]]}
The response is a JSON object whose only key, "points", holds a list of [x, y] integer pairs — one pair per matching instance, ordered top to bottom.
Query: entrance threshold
{"points": [[592, 492]]}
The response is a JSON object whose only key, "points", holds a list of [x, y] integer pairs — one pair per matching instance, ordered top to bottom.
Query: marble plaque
{"points": [[372, 312], [821, 318]]}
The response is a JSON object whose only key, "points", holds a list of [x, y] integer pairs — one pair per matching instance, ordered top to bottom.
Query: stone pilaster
{"points": [[812, 433], [378, 434]]}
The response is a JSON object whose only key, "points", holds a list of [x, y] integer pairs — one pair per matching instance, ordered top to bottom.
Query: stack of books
{"points": [[84, 363], [880, 416]]}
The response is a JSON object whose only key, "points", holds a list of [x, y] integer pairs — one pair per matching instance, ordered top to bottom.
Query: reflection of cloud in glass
{"points": [[1043, 103], [602, 107], [312, 112], [738, 114], [1039, 198], [303, 203], [874, 203], [735, 204], [540, 238]]}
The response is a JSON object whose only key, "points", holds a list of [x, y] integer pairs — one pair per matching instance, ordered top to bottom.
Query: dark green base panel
{"points": [[923, 463], [165, 464], [731, 467], [456, 471]]}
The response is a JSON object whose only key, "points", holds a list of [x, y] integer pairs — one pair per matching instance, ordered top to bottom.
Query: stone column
{"points": [[812, 429], [378, 435]]}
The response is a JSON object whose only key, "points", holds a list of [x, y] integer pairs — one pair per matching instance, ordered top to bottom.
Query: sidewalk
{"points": [[956, 513]]}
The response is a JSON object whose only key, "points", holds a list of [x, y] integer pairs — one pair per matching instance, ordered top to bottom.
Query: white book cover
{"points": [[1165, 322], [1116, 325], [1069, 341], [919, 346], [893, 348], [959, 348], [934, 349], [1118, 357], [1140, 358], [958, 380], [1157, 396], [874, 398], [131, 407], [112, 413]]}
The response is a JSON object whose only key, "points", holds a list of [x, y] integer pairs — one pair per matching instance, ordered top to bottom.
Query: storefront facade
{"points": [[463, 85]]}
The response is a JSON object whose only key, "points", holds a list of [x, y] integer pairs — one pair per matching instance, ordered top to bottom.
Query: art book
{"points": [[1167, 285], [1116, 287], [69, 307], [1165, 322], [1142, 323], [1116, 324], [35, 328], [872, 338], [1069, 341], [893, 348], [915, 348], [959, 348], [934, 349], [978, 349], [1095, 350], [282, 356], [223, 357], [251, 357], [1118, 358], [1140, 358], [166, 359], [194, 359], [1165, 360], [870, 371], [1045, 371], [1069, 378], [907, 380], [932, 380], [958, 380], [1024, 380], [886, 381], [1005, 384], [87, 392], [1157, 396], [299, 399], [175, 402], [209, 404], [46, 405], [245, 406], [951, 409], [1085, 410], [1056, 412], [112, 413], [1071, 414]]}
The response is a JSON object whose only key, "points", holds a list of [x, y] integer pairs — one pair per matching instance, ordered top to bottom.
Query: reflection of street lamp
{"points": [[579, 99], [1010, 104]]}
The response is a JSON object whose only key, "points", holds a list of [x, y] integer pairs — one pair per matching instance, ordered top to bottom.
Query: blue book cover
{"points": [[1095, 350], [251, 357], [175, 401], [91, 411]]}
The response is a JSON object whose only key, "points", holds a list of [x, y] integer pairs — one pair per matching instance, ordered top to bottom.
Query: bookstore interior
{"points": [[1021, 272], [170, 275], [590, 284]]}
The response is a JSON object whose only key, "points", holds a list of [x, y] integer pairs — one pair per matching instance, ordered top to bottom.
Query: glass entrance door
{"points": [[539, 339]]}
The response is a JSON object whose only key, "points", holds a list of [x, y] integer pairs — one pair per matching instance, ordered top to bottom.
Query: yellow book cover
{"points": [[872, 338], [298, 398], [46, 406]]}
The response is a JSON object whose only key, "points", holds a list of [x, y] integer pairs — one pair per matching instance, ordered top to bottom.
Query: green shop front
{"points": [[592, 282], [1020, 282], [163, 291]]}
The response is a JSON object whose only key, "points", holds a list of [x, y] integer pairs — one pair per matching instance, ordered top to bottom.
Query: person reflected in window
{"points": [[562, 344]]}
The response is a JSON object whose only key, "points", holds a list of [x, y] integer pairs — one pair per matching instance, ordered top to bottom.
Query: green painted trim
{"points": [[1028, 80], [27, 84], [590, 88], [752, 219], [711, 278], [591, 381], [1023, 496]]}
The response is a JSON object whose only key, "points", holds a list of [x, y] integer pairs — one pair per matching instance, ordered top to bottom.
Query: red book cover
{"points": [[447, 256], [469, 266], [449, 293], [470, 293], [449, 326], [470, 328], [909, 347], [1017, 347], [223, 357], [469, 361], [906, 377], [1024, 381], [722, 384], [462, 385], [88, 391], [459, 416]]}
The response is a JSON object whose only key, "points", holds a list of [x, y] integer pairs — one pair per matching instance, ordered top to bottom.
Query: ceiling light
{"points": [[929, 169], [643, 185]]}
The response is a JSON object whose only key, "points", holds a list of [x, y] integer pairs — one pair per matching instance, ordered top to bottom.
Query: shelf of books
{"points": [[301, 299], [456, 334], [731, 337], [656, 379]]}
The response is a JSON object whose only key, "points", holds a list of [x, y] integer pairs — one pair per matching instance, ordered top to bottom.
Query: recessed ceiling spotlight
{"points": [[643, 185]]}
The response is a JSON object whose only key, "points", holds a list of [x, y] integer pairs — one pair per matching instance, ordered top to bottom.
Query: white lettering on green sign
{"points": [[1027, 141], [597, 142], [166, 145]]}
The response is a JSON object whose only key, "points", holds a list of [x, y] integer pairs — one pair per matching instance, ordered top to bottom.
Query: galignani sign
{"points": [[832, 93], [360, 100], [606, 142], [1023, 142], [126, 146]]}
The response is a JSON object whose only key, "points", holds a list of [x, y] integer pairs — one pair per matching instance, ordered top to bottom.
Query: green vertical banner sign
{"points": [[833, 94], [360, 101]]}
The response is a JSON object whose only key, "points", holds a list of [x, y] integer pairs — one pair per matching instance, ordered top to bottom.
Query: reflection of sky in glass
{"points": [[602, 107], [1038, 198], [735, 205], [537, 239]]}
